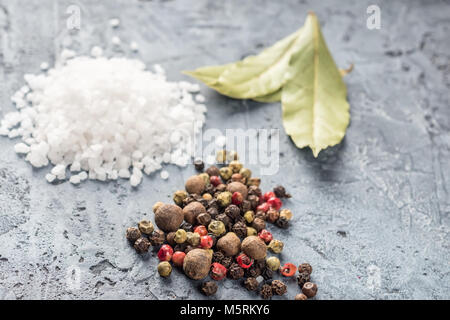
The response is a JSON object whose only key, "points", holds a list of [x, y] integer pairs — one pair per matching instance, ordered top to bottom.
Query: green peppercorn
{"points": [[236, 166], [226, 173], [246, 173], [205, 177], [254, 182], [179, 196], [224, 198], [286, 213], [249, 216], [146, 227], [217, 228], [251, 231], [180, 236], [193, 238], [276, 246], [273, 263], [164, 269]]}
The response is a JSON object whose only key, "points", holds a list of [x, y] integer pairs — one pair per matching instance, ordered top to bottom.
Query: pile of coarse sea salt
{"points": [[104, 118]]}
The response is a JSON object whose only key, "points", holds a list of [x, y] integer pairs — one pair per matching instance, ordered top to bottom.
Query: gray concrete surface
{"points": [[371, 215]]}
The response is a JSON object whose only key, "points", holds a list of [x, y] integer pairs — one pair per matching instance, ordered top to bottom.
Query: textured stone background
{"points": [[376, 207]]}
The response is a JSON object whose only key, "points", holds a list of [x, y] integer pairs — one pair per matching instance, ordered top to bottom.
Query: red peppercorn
{"points": [[215, 181], [268, 195], [237, 198], [275, 203], [263, 207], [201, 230], [265, 235], [206, 242], [165, 253], [178, 258], [244, 261], [288, 270], [218, 271]]}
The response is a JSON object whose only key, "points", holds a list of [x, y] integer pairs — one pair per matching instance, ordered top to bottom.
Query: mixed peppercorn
{"points": [[218, 227]]}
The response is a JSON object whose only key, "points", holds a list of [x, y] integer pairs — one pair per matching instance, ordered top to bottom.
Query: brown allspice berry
{"points": [[213, 171], [237, 177], [205, 178], [195, 184], [221, 187], [238, 187], [179, 196], [156, 206], [192, 210], [272, 215], [169, 217], [204, 219], [258, 224], [146, 227], [240, 229], [133, 234], [157, 238], [170, 238], [229, 244], [142, 245], [254, 247], [197, 263], [305, 267], [235, 272], [303, 278], [251, 284], [278, 287], [209, 288], [309, 289], [266, 291], [300, 296]]}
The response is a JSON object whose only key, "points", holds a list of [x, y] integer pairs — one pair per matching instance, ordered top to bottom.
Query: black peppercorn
{"points": [[199, 164], [209, 189], [255, 191], [280, 192], [188, 200], [254, 201], [213, 204], [246, 205], [213, 212], [233, 212], [260, 215], [204, 219], [224, 219], [282, 222], [187, 227], [240, 228], [133, 234], [213, 237], [157, 238], [171, 238], [142, 245], [180, 247], [188, 248], [218, 256], [227, 261], [260, 264], [305, 267], [253, 271], [235, 272], [267, 274], [303, 278], [251, 284], [278, 287], [209, 288], [266, 291]]}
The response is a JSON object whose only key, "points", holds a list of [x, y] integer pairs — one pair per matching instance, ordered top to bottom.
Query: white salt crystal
{"points": [[114, 22], [115, 40], [134, 46], [44, 66], [200, 98], [105, 117], [221, 141], [22, 148], [164, 174], [50, 177], [75, 179]]}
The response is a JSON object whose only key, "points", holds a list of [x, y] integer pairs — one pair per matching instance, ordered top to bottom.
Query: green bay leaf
{"points": [[271, 97], [315, 109]]}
